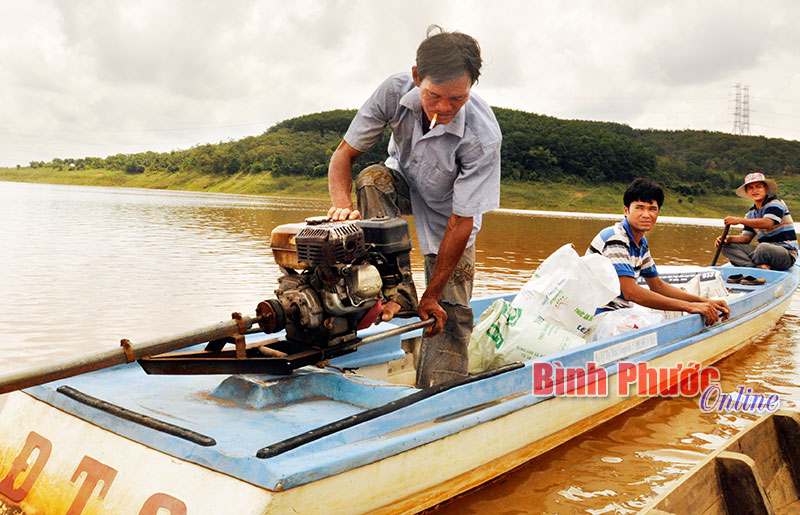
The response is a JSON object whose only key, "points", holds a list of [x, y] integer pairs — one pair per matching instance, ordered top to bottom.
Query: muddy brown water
{"points": [[82, 267]]}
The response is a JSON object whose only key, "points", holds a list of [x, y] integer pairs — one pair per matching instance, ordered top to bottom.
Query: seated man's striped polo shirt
{"points": [[782, 233], [629, 260]]}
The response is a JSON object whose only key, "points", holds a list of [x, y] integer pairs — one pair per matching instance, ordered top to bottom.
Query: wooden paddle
{"points": [[722, 242]]}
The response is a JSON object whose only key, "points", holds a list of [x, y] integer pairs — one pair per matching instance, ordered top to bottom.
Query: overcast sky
{"points": [[99, 77]]}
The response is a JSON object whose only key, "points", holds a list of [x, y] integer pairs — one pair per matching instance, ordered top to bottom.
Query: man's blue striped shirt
{"points": [[782, 233], [629, 259]]}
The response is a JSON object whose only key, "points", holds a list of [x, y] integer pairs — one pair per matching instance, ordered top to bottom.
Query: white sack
{"points": [[567, 289], [505, 334]]}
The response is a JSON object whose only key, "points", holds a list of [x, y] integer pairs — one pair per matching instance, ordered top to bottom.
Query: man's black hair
{"points": [[444, 56], [643, 190]]}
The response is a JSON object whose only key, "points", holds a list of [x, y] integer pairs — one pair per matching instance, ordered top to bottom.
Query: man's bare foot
{"points": [[765, 267]]}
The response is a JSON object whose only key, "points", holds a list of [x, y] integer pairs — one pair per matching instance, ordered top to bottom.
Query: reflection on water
{"points": [[81, 268]]}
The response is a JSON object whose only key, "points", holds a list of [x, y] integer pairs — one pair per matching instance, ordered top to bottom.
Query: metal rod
{"points": [[721, 244], [399, 330], [270, 352], [117, 356]]}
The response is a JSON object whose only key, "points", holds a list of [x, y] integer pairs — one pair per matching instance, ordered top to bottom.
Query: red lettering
{"points": [[626, 375], [709, 376], [542, 379], [596, 379], [663, 379], [674, 379], [559, 380], [577, 380], [648, 380], [668, 380], [690, 380], [33, 442], [95, 472], [164, 502]]}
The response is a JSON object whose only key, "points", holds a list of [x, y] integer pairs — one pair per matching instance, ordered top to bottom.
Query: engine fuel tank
{"points": [[284, 246]]}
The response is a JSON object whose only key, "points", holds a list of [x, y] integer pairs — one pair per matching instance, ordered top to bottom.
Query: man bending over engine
{"points": [[444, 168], [625, 245]]}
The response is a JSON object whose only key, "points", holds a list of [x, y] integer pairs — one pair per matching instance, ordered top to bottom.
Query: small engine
{"points": [[334, 274]]}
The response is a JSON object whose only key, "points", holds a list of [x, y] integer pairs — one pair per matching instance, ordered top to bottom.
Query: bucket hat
{"points": [[772, 186]]}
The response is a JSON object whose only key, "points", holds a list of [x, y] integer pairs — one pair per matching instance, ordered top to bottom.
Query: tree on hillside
{"points": [[535, 148]]}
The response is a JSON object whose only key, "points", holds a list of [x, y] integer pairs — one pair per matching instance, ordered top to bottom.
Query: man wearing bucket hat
{"points": [[769, 219]]}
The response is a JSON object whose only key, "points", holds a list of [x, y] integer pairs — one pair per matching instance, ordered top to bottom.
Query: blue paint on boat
{"points": [[246, 413]]}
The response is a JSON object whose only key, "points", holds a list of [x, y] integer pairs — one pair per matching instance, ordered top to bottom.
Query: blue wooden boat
{"points": [[324, 440]]}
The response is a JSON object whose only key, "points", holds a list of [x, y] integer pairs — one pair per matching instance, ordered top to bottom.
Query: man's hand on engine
{"points": [[340, 214], [430, 308], [390, 309]]}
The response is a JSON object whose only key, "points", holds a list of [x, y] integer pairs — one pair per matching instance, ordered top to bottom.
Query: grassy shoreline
{"points": [[556, 196]]}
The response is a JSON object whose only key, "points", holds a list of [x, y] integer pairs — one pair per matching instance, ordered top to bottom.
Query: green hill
{"points": [[538, 149]]}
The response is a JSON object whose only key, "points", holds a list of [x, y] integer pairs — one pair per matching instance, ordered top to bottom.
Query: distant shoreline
{"points": [[532, 197], [682, 220]]}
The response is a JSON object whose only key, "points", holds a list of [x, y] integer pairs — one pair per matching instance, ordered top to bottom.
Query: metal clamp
{"points": [[239, 321], [130, 356]]}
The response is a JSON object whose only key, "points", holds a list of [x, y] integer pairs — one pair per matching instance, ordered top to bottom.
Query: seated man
{"points": [[768, 218], [625, 245]]}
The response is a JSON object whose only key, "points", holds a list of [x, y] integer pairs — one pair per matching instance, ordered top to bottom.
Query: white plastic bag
{"points": [[567, 289], [612, 323], [505, 334]]}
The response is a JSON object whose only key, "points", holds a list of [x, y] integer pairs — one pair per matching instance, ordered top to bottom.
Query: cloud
{"points": [[692, 46], [102, 77]]}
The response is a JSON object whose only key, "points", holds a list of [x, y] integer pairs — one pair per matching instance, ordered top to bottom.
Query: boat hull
{"points": [[54, 462]]}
